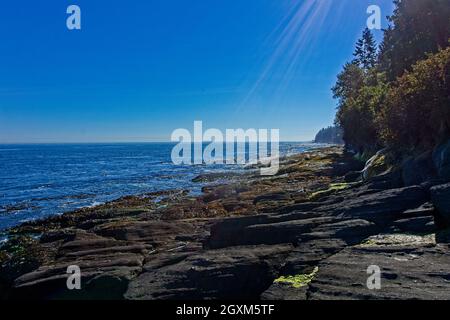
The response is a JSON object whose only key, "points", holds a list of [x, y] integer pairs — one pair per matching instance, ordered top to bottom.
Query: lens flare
{"points": [[292, 42]]}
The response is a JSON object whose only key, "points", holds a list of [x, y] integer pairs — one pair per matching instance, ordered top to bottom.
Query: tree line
{"points": [[397, 94], [331, 134]]}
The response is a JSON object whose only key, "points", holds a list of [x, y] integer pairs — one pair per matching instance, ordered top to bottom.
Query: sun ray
{"points": [[292, 42]]}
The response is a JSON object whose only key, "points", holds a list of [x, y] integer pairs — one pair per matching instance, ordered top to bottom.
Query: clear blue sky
{"points": [[140, 69]]}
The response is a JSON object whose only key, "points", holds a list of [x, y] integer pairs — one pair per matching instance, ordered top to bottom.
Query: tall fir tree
{"points": [[366, 51]]}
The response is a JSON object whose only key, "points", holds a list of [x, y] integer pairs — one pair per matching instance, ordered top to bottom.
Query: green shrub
{"points": [[416, 112]]}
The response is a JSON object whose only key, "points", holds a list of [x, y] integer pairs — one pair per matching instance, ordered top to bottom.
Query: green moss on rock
{"points": [[334, 187], [298, 281]]}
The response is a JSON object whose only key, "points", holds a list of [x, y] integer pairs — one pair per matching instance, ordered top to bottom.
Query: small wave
{"points": [[65, 197], [94, 204], [17, 207], [3, 239]]}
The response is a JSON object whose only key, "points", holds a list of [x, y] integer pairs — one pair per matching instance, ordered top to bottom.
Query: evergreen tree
{"points": [[417, 28], [366, 51], [400, 97], [332, 134]]}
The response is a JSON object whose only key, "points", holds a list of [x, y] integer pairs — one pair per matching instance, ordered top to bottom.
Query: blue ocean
{"points": [[38, 180]]}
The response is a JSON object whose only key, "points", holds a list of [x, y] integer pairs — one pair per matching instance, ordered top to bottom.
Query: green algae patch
{"points": [[339, 186], [334, 187], [368, 243], [299, 280]]}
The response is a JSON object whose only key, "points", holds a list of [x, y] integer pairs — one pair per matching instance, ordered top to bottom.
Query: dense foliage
{"points": [[417, 27], [399, 95], [416, 111], [331, 135]]}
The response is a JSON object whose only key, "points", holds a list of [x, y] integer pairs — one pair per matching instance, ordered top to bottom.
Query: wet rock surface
{"points": [[310, 232]]}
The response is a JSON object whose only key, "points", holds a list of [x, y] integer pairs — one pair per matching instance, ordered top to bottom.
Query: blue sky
{"points": [[137, 70]]}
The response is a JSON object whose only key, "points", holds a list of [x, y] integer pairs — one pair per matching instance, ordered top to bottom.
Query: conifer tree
{"points": [[366, 51]]}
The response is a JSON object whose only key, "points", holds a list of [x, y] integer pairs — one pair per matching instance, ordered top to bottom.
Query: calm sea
{"points": [[38, 180]]}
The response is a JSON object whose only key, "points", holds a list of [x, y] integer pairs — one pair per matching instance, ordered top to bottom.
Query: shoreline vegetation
{"points": [[395, 96], [295, 235]]}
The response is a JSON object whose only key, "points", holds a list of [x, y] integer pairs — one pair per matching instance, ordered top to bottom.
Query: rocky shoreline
{"points": [[310, 232]]}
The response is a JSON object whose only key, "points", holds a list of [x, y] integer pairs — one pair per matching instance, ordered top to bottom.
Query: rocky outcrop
{"points": [[382, 207], [305, 234], [107, 265], [411, 267], [232, 273]]}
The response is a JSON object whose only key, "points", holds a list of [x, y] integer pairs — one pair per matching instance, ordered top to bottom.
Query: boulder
{"points": [[441, 159], [376, 165], [416, 170], [387, 180], [440, 196]]}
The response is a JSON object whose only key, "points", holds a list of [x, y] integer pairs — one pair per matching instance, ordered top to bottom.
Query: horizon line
{"points": [[128, 142]]}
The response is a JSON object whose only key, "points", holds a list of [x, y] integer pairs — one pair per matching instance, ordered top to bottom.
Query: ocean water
{"points": [[38, 180]]}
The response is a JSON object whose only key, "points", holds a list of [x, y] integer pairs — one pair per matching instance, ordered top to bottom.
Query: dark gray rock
{"points": [[441, 159], [417, 170], [353, 176], [389, 180], [427, 185], [274, 196], [440, 196], [308, 206], [381, 207], [425, 210], [417, 220], [416, 224], [350, 231], [152, 232], [257, 234], [308, 254], [106, 266], [409, 270], [98, 272], [232, 273], [285, 292]]}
